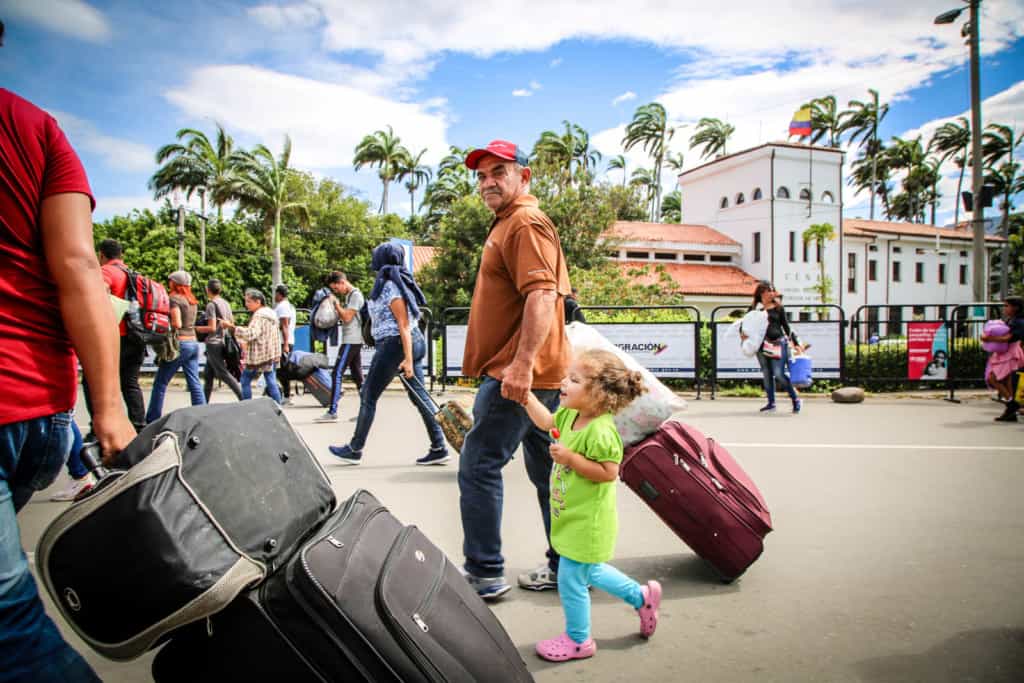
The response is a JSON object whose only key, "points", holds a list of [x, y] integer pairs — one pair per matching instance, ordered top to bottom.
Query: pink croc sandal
{"points": [[649, 611], [564, 648]]}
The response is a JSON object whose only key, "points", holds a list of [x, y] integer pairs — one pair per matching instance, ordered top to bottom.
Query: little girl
{"points": [[584, 519]]}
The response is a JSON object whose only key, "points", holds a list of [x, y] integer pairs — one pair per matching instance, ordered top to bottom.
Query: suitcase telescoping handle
{"points": [[431, 405]]}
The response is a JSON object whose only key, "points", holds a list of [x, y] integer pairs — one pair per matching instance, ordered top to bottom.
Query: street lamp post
{"points": [[977, 171]]}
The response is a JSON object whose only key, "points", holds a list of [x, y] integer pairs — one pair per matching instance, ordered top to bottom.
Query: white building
{"points": [[765, 197]]}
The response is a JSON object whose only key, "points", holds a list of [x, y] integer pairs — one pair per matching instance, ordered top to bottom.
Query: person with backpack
{"points": [[217, 310], [323, 318], [183, 320], [262, 339], [350, 353]]}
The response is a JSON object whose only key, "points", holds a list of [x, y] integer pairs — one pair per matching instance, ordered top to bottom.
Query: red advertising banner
{"points": [[927, 351]]}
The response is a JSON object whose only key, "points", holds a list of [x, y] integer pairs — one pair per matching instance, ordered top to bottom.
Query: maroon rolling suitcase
{"points": [[704, 496]]}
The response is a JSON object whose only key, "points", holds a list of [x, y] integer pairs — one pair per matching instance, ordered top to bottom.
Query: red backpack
{"points": [[149, 308]]}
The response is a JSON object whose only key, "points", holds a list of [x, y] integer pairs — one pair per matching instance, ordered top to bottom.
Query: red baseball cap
{"points": [[503, 149]]}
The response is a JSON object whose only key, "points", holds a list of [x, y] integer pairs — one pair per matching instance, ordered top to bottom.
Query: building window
{"points": [[783, 192], [757, 194], [805, 194], [827, 197], [740, 199], [724, 204], [792, 246], [807, 246], [757, 247], [872, 247], [897, 250], [920, 252], [614, 254], [638, 254], [963, 254], [664, 256], [693, 257], [720, 258], [873, 270], [895, 271], [918, 272], [851, 273], [942, 274], [963, 274], [942, 311], [918, 313], [805, 316], [895, 327]]}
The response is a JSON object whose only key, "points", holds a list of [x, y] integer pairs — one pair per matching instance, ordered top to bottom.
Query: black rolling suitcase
{"points": [[365, 599]]}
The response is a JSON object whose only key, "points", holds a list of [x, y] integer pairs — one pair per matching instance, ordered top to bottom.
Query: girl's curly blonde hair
{"points": [[609, 382]]}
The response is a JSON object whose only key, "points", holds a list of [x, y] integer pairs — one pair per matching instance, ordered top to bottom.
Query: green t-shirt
{"points": [[584, 519]]}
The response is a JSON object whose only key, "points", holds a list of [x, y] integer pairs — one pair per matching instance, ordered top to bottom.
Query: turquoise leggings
{"points": [[574, 578]]}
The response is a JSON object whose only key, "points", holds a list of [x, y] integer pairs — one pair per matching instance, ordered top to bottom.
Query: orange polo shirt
{"points": [[522, 254]]}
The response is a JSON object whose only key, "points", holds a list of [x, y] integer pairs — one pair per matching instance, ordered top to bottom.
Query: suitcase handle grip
{"points": [[92, 458]]}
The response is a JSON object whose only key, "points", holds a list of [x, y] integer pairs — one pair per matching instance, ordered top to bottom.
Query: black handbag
{"points": [[366, 326]]}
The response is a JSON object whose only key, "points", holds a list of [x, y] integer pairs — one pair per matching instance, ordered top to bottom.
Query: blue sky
{"points": [[122, 77]]}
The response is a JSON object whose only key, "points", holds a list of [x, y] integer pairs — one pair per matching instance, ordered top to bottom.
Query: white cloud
{"points": [[286, 16], [72, 18], [534, 85], [522, 92], [624, 97], [325, 120], [117, 153]]}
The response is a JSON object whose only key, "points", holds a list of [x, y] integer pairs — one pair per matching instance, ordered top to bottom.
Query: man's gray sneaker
{"points": [[327, 417], [539, 579], [488, 589]]}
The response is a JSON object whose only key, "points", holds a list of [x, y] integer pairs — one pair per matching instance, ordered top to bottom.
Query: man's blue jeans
{"points": [[388, 355], [188, 359], [270, 377], [499, 427], [31, 648]]}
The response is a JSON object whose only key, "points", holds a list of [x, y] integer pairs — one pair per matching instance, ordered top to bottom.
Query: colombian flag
{"points": [[801, 123]]}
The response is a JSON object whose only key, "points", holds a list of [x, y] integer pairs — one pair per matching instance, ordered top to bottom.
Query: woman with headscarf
{"points": [[394, 306], [183, 322], [262, 339]]}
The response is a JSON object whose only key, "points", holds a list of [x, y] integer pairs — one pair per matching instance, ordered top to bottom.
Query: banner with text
{"points": [[823, 338], [666, 349], [927, 351]]}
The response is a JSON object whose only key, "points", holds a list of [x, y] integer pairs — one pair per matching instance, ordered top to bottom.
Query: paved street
{"points": [[898, 553]]}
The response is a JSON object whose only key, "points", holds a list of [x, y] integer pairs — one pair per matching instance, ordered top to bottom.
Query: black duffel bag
{"points": [[212, 499]]}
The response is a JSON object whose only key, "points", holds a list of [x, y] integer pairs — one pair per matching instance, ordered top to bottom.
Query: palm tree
{"points": [[825, 120], [861, 120], [650, 129], [713, 134], [953, 139], [998, 145], [384, 150], [909, 156], [586, 158], [618, 162], [675, 162], [195, 165], [415, 174], [868, 174], [647, 181], [453, 182], [261, 184], [672, 208], [819, 234]]}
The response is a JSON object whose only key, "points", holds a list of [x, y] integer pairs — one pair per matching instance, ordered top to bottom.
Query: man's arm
{"points": [[66, 224], [346, 314], [538, 316], [286, 324]]}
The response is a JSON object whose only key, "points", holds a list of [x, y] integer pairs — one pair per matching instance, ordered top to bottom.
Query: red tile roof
{"points": [[859, 227], [636, 231], [422, 256], [696, 278]]}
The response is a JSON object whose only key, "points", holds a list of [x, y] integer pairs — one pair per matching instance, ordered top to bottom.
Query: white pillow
{"points": [[754, 324], [642, 417]]}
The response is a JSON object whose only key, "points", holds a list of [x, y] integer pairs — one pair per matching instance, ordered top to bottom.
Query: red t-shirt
{"points": [[117, 280], [37, 362]]}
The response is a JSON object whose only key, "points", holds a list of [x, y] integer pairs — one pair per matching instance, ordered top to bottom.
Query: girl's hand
{"points": [[406, 368], [560, 454]]}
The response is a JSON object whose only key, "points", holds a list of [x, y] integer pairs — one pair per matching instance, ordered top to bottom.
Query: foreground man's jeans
{"points": [[499, 426], [31, 648]]}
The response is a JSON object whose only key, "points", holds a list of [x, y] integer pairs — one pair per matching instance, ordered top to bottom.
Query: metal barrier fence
{"points": [[820, 327], [934, 345]]}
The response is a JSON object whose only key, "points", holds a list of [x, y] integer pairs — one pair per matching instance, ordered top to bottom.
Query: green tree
{"points": [[825, 120], [861, 121], [650, 130], [713, 135], [952, 140], [998, 146], [383, 150], [618, 162], [195, 165], [415, 174], [919, 179], [646, 181], [262, 185], [672, 207], [582, 214], [820, 234], [449, 279], [617, 284]]}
